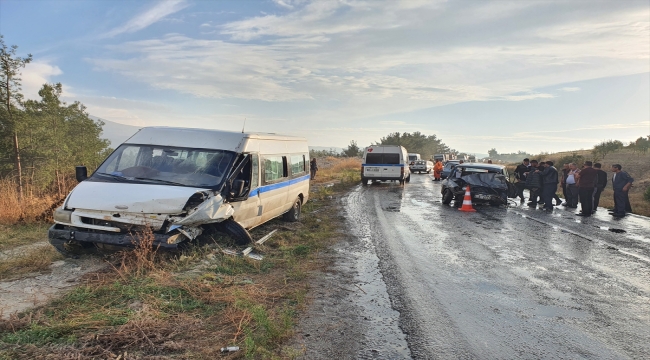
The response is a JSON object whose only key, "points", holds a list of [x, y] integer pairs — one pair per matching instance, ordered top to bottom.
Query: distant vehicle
{"points": [[413, 157], [441, 157], [471, 158], [385, 162], [422, 166], [447, 169], [180, 182], [488, 184]]}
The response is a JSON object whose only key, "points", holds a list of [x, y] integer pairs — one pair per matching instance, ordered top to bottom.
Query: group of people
{"points": [[584, 185]]}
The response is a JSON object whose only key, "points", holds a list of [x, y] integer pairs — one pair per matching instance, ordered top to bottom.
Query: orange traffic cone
{"points": [[467, 202]]}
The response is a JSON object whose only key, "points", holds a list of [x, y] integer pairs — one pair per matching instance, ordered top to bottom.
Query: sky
{"points": [[512, 75]]}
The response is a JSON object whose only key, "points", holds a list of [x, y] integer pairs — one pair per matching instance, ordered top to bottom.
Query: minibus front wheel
{"points": [[293, 214], [235, 231]]}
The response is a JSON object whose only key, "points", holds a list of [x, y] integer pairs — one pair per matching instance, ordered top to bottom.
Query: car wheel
{"points": [[408, 178], [364, 181], [447, 197], [458, 200], [293, 215]]}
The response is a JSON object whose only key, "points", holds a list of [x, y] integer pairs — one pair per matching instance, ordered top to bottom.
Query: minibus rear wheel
{"points": [[293, 215]]}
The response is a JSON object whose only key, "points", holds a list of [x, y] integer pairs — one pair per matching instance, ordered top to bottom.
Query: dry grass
{"points": [[336, 170], [33, 207], [12, 236], [29, 260], [188, 305]]}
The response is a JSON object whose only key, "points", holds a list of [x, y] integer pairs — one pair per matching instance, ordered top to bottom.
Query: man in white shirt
{"points": [[572, 186]]}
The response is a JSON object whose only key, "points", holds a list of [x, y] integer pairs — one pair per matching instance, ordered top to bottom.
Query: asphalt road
{"points": [[501, 283]]}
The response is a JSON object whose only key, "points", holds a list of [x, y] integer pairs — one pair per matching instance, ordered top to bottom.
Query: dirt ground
{"points": [[36, 289]]}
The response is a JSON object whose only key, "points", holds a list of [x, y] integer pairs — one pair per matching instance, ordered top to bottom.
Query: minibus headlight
{"points": [[63, 216]]}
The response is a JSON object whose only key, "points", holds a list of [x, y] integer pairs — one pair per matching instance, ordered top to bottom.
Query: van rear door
{"points": [[382, 163], [392, 168]]}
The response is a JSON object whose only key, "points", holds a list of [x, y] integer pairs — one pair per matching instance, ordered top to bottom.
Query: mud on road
{"points": [[418, 279]]}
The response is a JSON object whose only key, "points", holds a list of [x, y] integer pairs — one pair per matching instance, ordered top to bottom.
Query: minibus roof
{"points": [[200, 138]]}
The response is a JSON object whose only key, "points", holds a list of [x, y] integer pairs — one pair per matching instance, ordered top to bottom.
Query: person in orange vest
{"points": [[437, 170]]}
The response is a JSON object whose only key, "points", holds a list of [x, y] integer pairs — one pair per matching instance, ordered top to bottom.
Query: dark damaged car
{"points": [[488, 184]]}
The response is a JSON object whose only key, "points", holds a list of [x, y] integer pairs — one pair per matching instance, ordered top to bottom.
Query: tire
{"points": [[408, 178], [364, 181], [447, 197], [293, 215], [236, 232], [72, 249]]}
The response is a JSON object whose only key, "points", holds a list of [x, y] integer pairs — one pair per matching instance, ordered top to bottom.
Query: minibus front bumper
{"points": [[59, 234]]}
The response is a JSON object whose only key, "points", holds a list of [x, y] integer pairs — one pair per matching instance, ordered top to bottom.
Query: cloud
{"points": [[149, 17], [368, 59], [37, 73], [569, 89]]}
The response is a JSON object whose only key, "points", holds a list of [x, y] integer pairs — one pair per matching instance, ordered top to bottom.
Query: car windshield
{"points": [[420, 162], [159, 164]]}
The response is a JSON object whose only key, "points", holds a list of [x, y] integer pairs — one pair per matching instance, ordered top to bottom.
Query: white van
{"points": [[413, 157], [385, 162], [181, 182]]}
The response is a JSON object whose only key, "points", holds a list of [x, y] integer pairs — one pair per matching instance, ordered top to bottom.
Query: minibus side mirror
{"points": [[81, 173], [238, 188]]}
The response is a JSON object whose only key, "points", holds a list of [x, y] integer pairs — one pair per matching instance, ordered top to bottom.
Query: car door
{"points": [[248, 213]]}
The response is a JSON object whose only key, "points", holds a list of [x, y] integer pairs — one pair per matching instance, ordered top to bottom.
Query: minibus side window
{"points": [[297, 164], [274, 168]]}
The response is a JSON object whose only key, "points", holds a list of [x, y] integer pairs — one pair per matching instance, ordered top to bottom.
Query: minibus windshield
{"points": [[159, 164]]}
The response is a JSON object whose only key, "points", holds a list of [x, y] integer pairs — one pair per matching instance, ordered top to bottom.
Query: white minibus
{"points": [[385, 162], [180, 182]]}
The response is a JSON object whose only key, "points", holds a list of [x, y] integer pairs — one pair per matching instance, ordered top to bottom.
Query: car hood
{"points": [[490, 180], [132, 198]]}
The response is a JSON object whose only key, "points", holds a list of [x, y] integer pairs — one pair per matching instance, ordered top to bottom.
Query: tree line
{"points": [[42, 140], [416, 142]]}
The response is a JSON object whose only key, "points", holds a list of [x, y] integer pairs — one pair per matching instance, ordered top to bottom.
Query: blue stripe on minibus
{"points": [[383, 165], [267, 188]]}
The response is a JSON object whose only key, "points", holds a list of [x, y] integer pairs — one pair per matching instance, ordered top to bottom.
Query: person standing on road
{"points": [[313, 168], [437, 170], [565, 173], [520, 176], [587, 179], [550, 181], [621, 182], [533, 183], [601, 183], [572, 186], [540, 199]]}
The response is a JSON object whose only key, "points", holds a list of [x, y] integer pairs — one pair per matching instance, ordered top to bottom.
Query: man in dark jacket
{"points": [[520, 175], [550, 180], [621, 182], [533, 183], [601, 183], [586, 187]]}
